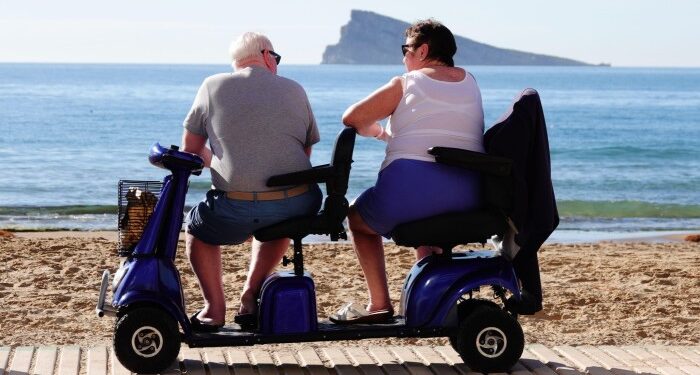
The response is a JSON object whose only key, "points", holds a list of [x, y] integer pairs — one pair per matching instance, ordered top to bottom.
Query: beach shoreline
{"points": [[558, 237], [601, 293]]}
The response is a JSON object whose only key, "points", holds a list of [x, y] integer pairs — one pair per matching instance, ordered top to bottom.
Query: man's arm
{"points": [[196, 144]]}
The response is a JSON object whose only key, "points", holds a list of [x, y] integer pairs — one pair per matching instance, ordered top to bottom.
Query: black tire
{"points": [[464, 308], [146, 340], [490, 340], [454, 341]]}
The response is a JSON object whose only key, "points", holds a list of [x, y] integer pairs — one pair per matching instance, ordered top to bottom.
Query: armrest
{"points": [[472, 160], [320, 173]]}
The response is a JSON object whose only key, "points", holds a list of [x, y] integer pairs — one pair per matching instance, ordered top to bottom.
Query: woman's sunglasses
{"points": [[405, 47], [277, 57]]}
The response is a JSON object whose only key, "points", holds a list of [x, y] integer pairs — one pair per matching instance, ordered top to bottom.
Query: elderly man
{"points": [[257, 124]]}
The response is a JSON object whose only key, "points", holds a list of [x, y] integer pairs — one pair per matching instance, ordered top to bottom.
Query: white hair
{"points": [[248, 45]]}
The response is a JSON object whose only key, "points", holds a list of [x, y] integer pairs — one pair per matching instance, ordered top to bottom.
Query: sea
{"points": [[624, 142]]}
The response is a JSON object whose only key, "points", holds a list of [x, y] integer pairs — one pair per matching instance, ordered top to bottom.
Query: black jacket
{"points": [[522, 137]]}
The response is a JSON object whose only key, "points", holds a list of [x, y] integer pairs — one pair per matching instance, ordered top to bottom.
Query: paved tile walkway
{"points": [[377, 360]]}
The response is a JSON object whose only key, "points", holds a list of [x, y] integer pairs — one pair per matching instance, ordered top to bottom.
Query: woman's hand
{"points": [[381, 135]]}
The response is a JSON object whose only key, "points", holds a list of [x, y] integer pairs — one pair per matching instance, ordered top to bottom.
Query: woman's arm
{"points": [[363, 115], [196, 144]]}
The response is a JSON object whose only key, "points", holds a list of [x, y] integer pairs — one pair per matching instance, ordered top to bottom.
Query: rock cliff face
{"points": [[371, 38]]}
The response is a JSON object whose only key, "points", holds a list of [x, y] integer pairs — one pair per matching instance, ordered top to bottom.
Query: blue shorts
{"points": [[408, 190], [219, 220]]}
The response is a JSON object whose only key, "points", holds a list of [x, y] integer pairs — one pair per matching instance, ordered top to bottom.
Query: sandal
{"points": [[354, 313], [246, 320], [199, 326]]}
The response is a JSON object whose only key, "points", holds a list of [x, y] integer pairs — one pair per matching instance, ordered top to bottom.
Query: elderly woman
{"points": [[433, 104]]}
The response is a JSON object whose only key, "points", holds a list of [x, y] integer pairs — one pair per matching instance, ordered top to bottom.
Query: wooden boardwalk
{"points": [[378, 360]]}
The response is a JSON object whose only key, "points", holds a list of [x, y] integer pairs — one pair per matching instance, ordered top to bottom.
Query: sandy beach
{"points": [[614, 293]]}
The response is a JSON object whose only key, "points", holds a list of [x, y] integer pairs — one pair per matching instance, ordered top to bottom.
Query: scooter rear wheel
{"points": [[465, 307], [146, 340], [490, 340]]}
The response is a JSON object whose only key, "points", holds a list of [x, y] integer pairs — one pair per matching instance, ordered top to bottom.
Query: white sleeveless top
{"points": [[434, 113]]}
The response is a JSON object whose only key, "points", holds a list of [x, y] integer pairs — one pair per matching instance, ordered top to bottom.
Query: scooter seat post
{"points": [[298, 259]]}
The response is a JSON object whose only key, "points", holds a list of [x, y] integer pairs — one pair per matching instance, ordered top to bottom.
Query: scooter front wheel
{"points": [[146, 340], [490, 340]]}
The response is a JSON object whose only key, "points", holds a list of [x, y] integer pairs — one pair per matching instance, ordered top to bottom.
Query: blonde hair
{"points": [[248, 45]]}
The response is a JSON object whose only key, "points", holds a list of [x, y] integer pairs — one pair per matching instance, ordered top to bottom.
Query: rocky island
{"points": [[371, 38]]}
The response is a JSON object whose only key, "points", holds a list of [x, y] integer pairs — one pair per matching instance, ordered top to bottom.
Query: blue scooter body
{"points": [[149, 275], [435, 283], [288, 302]]}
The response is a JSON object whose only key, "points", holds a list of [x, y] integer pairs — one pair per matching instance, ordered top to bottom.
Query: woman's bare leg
{"points": [[370, 253]]}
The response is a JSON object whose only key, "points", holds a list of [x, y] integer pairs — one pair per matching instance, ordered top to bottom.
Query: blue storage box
{"points": [[288, 304]]}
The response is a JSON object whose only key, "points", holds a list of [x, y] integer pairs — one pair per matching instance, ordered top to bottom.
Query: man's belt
{"points": [[267, 195]]}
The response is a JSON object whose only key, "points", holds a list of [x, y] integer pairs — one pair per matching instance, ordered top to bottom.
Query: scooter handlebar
{"points": [[173, 159]]}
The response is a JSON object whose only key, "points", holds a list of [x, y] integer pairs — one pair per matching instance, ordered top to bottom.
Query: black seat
{"points": [[335, 206], [449, 230]]}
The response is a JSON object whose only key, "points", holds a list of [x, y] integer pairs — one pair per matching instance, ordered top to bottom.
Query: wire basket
{"points": [[136, 202]]}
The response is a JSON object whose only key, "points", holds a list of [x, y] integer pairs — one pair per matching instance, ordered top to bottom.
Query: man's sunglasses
{"points": [[405, 47], [277, 57]]}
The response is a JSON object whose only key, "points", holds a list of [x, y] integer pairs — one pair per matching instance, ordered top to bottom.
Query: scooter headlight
{"points": [[119, 275]]}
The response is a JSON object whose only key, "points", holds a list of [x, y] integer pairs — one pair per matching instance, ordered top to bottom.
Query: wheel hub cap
{"points": [[147, 341], [491, 342]]}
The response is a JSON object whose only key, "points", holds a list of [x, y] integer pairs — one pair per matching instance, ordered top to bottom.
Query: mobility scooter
{"points": [[438, 297]]}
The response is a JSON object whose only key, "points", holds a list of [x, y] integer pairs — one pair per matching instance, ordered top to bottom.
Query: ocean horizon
{"points": [[624, 141]]}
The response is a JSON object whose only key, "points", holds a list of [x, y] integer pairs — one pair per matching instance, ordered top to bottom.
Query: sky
{"points": [[635, 33]]}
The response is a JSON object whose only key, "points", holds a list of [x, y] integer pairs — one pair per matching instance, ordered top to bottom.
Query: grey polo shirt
{"points": [[257, 124]]}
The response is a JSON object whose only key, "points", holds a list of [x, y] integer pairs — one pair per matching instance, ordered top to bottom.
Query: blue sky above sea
{"points": [[623, 33]]}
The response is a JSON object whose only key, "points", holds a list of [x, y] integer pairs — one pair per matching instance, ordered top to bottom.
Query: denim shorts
{"points": [[408, 190], [219, 220]]}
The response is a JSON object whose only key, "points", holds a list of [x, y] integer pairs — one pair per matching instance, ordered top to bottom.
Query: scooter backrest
{"points": [[520, 135], [341, 161], [496, 174], [335, 206]]}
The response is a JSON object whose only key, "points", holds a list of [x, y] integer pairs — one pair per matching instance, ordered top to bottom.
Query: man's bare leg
{"points": [[264, 259], [205, 260]]}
